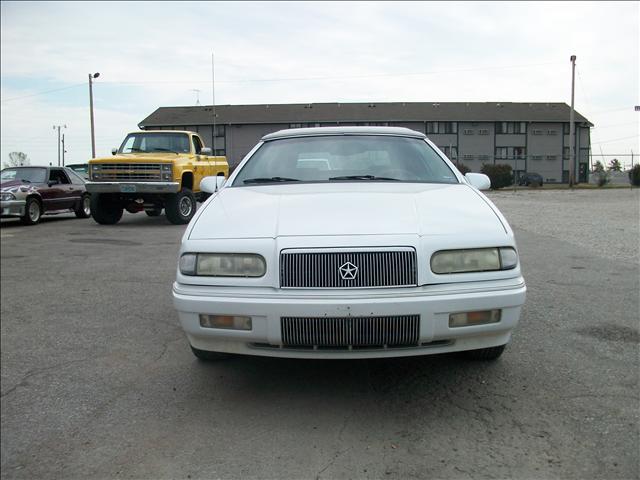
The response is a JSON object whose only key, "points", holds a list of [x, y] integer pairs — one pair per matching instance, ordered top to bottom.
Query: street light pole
{"points": [[58, 127], [93, 135], [572, 153]]}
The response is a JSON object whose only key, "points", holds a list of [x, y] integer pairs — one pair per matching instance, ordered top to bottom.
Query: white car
{"points": [[391, 252]]}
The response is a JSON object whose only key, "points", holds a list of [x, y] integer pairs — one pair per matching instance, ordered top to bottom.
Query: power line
{"points": [[42, 93], [615, 139]]}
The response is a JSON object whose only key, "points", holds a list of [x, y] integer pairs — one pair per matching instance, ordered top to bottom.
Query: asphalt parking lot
{"points": [[98, 380]]}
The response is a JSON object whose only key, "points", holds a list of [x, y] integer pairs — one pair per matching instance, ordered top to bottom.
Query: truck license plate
{"points": [[127, 188]]}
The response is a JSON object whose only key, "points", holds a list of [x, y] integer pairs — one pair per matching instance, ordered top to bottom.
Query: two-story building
{"points": [[531, 137]]}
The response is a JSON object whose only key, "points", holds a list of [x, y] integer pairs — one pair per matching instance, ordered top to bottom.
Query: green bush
{"points": [[462, 167], [499, 174], [634, 175]]}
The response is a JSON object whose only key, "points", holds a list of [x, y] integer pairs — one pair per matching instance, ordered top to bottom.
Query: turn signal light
{"points": [[482, 317], [230, 322]]}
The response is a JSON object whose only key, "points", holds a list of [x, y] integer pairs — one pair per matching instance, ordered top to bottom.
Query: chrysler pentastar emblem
{"points": [[348, 271]]}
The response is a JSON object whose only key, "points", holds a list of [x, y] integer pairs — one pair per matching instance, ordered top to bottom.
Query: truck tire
{"points": [[180, 207], [105, 209], [83, 210], [153, 212]]}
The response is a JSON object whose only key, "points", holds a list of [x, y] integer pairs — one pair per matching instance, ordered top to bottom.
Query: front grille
{"points": [[108, 172], [395, 268], [350, 331]]}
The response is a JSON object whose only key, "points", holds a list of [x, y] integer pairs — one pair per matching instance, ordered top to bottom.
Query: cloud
{"points": [[155, 54]]}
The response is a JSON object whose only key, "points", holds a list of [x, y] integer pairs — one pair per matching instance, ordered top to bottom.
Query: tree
{"points": [[17, 159], [615, 165], [598, 167], [500, 175]]}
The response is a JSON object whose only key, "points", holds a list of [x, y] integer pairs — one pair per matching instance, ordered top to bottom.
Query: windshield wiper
{"points": [[158, 149], [362, 177], [270, 179], [25, 180]]}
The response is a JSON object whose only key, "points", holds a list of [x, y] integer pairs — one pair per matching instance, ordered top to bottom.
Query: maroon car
{"points": [[30, 192]]}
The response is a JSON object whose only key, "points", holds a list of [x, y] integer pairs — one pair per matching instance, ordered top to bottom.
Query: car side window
{"points": [[197, 145], [58, 176], [75, 178]]}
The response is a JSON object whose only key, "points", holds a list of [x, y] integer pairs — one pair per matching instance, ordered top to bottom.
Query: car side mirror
{"points": [[114, 151], [206, 151], [478, 180], [212, 184]]}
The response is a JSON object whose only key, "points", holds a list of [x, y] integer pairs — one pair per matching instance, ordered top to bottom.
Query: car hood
{"points": [[137, 157], [14, 186], [367, 208]]}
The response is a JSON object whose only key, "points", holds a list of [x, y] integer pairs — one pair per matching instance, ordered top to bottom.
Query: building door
{"points": [[582, 173]]}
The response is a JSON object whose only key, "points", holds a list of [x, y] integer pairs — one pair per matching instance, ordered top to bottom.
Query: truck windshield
{"points": [[155, 142], [339, 158]]}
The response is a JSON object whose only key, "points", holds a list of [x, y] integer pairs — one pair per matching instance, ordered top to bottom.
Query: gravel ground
{"points": [[605, 222]]}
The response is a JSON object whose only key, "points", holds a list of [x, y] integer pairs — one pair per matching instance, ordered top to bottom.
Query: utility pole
{"points": [[213, 103], [58, 127], [572, 133], [93, 135], [63, 150]]}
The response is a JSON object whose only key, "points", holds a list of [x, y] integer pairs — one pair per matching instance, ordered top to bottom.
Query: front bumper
{"points": [[133, 187], [12, 208], [432, 303]]}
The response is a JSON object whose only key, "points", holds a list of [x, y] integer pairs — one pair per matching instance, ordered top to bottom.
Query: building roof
{"points": [[362, 112], [317, 131]]}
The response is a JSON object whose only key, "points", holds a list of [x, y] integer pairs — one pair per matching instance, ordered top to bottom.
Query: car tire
{"points": [[84, 207], [180, 207], [104, 209], [32, 211], [153, 213], [490, 353], [207, 356]]}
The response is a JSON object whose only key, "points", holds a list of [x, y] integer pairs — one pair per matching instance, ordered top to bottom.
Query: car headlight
{"points": [[5, 196], [474, 260], [223, 264]]}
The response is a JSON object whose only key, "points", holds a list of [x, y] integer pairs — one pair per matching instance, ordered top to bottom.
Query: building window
{"points": [[442, 127], [511, 127], [566, 128], [468, 131], [483, 131], [537, 132], [552, 132], [220, 152], [450, 152], [511, 153], [565, 153], [467, 157], [536, 157], [552, 157], [484, 158]]}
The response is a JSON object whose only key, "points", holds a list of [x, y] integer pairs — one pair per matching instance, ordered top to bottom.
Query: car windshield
{"points": [[155, 142], [335, 158], [26, 175]]}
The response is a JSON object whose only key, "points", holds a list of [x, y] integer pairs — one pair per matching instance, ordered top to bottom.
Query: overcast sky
{"points": [[154, 54]]}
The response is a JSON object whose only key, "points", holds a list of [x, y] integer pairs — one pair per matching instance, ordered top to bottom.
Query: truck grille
{"points": [[109, 172], [395, 268], [350, 331]]}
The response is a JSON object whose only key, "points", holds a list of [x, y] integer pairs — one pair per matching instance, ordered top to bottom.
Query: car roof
{"points": [[320, 131]]}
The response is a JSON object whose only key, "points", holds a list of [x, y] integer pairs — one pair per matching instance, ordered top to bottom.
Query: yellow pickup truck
{"points": [[152, 170]]}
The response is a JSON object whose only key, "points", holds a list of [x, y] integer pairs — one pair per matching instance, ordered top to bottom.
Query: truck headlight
{"points": [[166, 167], [6, 196], [474, 260], [223, 264]]}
